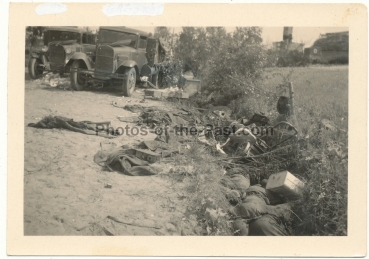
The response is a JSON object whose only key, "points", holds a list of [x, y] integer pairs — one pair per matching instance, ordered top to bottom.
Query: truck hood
{"points": [[64, 42], [121, 48], [123, 51]]}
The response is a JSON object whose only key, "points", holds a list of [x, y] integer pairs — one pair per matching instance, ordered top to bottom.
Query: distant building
{"points": [[340, 35], [287, 45], [283, 46], [329, 48], [288, 53]]}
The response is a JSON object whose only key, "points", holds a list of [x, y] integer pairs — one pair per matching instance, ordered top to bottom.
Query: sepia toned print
{"points": [[195, 130], [192, 131]]}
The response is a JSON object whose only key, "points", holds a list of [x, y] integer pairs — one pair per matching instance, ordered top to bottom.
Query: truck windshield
{"points": [[63, 36], [89, 38], [117, 38]]}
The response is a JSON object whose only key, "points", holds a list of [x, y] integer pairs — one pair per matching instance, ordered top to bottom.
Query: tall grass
{"points": [[320, 93]]}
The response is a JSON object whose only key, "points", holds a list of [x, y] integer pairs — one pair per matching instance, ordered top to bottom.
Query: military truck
{"points": [[60, 44], [124, 57]]}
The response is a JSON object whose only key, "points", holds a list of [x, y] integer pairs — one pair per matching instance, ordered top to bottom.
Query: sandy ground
{"points": [[64, 190]]}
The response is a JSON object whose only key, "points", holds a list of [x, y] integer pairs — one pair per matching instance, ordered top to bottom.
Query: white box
{"points": [[285, 184]]}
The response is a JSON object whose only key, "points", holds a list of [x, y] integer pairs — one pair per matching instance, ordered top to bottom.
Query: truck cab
{"points": [[60, 44], [124, 56]]}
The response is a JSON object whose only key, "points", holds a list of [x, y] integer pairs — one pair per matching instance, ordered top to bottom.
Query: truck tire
{"points": [[34, 70], [76, 81], [129, 83]]}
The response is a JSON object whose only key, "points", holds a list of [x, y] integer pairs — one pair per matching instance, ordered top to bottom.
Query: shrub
{"points": [[271, 58], [291, 59], [339, 60], [233, 72], [169, 73], [206, 196]]}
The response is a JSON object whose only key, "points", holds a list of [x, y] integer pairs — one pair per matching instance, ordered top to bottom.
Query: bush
{"points": [[271, 58], [291, 59], [339, 60], [233, 72], [169, 73]]}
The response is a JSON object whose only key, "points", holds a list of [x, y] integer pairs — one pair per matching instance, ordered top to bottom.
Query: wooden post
{"points": [[290, 86], [292, 107]]}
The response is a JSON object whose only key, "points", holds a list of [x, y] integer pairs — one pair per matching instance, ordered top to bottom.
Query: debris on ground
{"points": [[55, 80], [189, 84], [165, 93], [154, 116], [59, 122], [249, 144], [125, 161], [109, 186], [264, 208], [260, 209]]}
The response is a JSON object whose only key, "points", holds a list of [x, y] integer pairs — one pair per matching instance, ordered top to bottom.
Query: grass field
{"points": [[321, 92]]}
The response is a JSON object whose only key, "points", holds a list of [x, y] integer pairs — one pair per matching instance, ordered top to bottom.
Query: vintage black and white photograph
{"points": [[186, 131]]}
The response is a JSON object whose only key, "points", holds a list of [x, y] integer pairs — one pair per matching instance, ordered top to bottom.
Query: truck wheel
{"points": [[34, 69], [76, 80], [129, 83]]}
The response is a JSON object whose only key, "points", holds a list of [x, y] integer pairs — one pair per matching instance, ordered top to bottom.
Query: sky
{"points": [[305, 35]]}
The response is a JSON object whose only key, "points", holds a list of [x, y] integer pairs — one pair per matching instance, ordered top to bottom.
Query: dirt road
{"points": [[64, 190]]}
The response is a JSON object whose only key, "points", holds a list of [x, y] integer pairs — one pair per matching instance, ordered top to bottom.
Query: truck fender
{"points": [[40, 56], [81, 56], [128, 63]]}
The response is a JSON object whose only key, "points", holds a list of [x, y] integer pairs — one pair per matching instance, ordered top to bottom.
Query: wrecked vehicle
{"points": [[60, 45], [123, 57]]}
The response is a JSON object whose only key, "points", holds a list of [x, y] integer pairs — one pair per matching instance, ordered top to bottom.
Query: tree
{"points": [[163, 32], [34, 35], [247, 36], [216, 37], [166, 38], [193, 47], [185, 48], [229, 63], [236, 65]]}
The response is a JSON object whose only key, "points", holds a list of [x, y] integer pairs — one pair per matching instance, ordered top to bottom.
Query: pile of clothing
{"points": [[215, 115], [154, 116], [59, 122], [124, 161], [138, 161], [253, 212]]}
